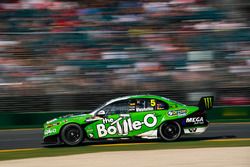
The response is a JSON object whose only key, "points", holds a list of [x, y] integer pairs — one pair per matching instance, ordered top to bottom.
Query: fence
{"points": [[37, 119]]}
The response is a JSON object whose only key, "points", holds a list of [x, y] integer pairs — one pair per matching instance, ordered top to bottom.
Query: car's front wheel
{"points": [[170, 131], [72, 134]]}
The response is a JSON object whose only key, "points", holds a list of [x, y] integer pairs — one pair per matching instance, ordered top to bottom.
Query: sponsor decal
{"points": [[208, 102], [132, 104], [145, 109], [177, 113], [195, 120], [124, 126], [192, 130], [196, 130], [49, 131]]}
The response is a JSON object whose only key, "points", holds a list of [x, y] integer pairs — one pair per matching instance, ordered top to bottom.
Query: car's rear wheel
{"points": [[170, 131], [72, 134]]}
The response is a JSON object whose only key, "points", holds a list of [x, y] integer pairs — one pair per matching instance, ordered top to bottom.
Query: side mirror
{"points": [[101, 113]]}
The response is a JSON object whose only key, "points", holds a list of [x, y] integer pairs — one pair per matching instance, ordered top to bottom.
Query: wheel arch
{"points": [[169, 121], [68, 123]]}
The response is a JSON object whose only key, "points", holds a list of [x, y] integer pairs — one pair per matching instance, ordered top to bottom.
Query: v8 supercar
{"points": [[145, 116]]}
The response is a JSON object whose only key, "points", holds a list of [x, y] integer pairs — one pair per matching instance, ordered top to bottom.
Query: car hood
{"points": [[69, 118]]}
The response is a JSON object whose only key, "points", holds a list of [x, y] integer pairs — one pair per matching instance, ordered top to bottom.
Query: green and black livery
{"points": [[143, 116]]}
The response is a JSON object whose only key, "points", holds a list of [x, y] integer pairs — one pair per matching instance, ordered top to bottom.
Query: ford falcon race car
{"points": [[144, 116]]}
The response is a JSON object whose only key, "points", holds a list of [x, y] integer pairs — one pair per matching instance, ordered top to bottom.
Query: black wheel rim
{"points": [[170, 131], [72, 134]]}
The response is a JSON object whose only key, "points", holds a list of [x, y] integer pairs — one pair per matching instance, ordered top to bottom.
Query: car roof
{"points": [[138, 96], [148, 96], [170, 102]]}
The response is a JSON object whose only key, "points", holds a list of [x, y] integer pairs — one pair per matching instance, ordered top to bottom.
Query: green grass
{"points": [[58, 151]]}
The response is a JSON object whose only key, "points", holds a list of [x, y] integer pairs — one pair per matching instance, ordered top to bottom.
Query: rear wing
{"points": [[206, 103]]}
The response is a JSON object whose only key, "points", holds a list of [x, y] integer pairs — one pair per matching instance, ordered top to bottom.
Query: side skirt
{"points": [[152, 134]]}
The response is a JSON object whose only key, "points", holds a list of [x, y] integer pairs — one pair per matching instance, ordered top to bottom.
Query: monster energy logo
{"points": [[208, 102]]}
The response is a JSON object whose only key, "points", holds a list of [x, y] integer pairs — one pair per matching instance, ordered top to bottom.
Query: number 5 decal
{"points": [[152, 102]]}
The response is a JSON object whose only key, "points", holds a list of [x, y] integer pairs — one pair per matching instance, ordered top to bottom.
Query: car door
{"points": [[145, 115], [112, 123]]}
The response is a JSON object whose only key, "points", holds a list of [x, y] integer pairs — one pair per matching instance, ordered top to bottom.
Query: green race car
{"points": [[144, 116]]}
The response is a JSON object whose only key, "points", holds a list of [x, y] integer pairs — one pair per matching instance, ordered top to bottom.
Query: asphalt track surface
{"points": [[32, 138]]}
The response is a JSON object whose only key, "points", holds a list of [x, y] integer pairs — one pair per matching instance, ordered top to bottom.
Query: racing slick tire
{"points": [[170, 131], [72, 134]]}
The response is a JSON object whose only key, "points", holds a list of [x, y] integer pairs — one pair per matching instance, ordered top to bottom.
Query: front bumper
{"points": [[54, 139]]}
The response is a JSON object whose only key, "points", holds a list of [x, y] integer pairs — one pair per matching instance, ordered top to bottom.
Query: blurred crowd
{"points": [[72, 46]]}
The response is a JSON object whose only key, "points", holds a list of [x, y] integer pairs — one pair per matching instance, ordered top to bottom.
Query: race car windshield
{"points": [[98, 108]]}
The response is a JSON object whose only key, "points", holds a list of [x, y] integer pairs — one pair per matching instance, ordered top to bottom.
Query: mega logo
{"points": [[195, 120], [125, 126]]}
